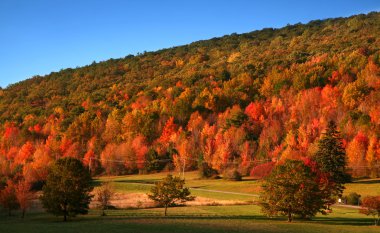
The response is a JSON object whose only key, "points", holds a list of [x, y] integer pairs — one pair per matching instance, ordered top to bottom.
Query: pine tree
{"points": [[331, 159], [67, 189]]}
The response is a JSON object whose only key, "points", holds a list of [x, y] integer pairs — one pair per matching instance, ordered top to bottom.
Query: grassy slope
{"points": [[130, 184], [189, 219]]}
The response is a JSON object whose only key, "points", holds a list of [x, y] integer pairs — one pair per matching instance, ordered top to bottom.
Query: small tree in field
{"points": [[67, 189], [291, 189], [170, 191], [24, 195], [104, 195], [8, 197], [371, 206]]}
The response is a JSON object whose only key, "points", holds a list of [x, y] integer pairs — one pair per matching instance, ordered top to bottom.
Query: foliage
{"points": [[232, 100], [331, 162], [207, 172], [232, 174], [67, 189], [290, 190], [170, 191], [24, 195], [103, 195], [8, 198], [352, 198], [371, 206]]}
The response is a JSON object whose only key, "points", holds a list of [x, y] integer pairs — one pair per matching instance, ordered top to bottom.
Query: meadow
{"points": [[203, 217], [241, 218]]}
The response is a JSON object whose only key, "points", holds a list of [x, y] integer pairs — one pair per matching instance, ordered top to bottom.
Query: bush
{"points": [[207, 172], [232, 174], [352, 199]]}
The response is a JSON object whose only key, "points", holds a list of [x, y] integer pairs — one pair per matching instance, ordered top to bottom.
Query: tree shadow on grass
{"points": [[375, 181], [148, 182], [337, 221]]}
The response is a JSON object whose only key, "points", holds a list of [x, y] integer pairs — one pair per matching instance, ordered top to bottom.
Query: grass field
{"points": [[140, 184], [226, 218], [242, 218]]}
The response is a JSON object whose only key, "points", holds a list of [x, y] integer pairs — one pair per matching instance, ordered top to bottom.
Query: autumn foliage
{"points": [[244, 103]]}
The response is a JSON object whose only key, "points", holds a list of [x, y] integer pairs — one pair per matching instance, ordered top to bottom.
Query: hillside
{"points": [[239, 102]]}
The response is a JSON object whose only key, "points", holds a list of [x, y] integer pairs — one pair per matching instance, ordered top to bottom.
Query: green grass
{"points": [[137, 184], [365, 187], [238, 218], [201, 219]]}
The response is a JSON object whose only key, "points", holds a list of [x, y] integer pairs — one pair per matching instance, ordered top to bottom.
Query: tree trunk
{"points": [[166, 208], [9, 212], [23, 213], [64, 213], [290, 216]]}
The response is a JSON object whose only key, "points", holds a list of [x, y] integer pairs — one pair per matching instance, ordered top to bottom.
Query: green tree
{"points": [[331, 159], [67, 189], [290, 190], [170, 191]]}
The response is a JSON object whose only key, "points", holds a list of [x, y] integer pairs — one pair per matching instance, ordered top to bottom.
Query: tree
{"points": [[356, 153], [331, 158], [67, 189], [291, 190], [169, 191], [24, 195], [103, 195], [8, 197], [371, 206]]}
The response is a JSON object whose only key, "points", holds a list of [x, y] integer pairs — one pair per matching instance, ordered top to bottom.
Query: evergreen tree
{"points": [[331, 159], [67, 189], [291, 189]]}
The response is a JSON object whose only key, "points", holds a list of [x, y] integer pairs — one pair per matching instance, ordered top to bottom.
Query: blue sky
{"points": [[41, 36]]}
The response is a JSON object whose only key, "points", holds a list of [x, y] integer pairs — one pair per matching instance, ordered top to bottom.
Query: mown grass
{"points": [[140, 184], [364, 187], [236, 218], [247, 218]]}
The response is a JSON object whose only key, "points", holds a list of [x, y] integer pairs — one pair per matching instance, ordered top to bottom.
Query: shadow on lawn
{"points": [[150, 181], [376, 181], [114, 216], [318, 220]]}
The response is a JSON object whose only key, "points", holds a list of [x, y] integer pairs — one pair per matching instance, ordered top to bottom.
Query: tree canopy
{"points": [[67, 189], [291, 189], [170, 191]]}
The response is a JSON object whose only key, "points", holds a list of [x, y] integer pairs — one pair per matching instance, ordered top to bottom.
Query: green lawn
{"points": [[138, 184], [142, 184], [364, 187], [235, 218], [208, 219]]}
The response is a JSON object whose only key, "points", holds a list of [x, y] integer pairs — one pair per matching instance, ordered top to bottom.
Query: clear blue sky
{"points": [[41, 36]]}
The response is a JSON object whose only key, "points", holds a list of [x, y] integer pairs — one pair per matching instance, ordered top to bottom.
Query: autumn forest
{"points": [[235, 105]]}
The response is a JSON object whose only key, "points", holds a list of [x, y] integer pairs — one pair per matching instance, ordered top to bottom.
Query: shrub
{"points": [[207, 172], [232, 174], [352, 199]]}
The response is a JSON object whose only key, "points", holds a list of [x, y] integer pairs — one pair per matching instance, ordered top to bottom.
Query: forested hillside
{"points": [[237, 103]]}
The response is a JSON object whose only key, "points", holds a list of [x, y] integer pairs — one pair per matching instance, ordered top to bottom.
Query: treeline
{"points": [[234, 105]]}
